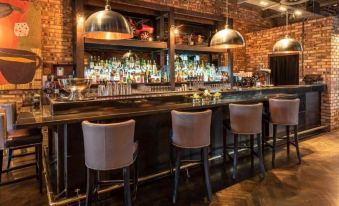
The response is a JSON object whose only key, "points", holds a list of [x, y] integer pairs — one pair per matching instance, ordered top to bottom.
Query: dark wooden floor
{"points": [[314, 182]]}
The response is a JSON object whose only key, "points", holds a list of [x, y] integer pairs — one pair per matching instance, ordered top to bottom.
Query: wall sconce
{"points": [[80, 19], [176, 30]]}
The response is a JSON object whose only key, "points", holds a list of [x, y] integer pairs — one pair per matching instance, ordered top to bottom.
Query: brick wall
{"points": [[57, 31], [317, 41], [321, 56], [332, 97]]}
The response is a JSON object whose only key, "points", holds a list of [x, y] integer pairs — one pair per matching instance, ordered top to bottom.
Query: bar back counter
{"points": [[64, 157]]}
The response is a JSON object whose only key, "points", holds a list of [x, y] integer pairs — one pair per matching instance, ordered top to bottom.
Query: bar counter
{"points": [[154, 104], [65, 155]]}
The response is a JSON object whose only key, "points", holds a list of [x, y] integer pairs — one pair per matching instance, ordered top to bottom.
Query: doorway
{"points": [[285, 69]]}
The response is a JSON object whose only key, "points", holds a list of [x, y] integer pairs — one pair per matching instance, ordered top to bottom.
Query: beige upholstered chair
{"points": [[285, 112], [246, 119], [191, 130], [13, 139], [109, 147]]}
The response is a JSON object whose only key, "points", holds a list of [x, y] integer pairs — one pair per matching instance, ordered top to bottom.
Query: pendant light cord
{"points": [[108, 7], [226, 13], [286, 28]]}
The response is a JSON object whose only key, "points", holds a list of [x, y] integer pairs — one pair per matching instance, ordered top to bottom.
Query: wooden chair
{"points": [[14, 139]]}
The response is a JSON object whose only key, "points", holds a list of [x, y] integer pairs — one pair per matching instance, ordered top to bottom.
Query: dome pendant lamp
{"points": [[107, 25], [227, 38], [287, 45]]}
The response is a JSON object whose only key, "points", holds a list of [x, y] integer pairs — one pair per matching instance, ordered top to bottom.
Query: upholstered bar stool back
{"points": [[10, 110], [284, 111], [246, 119], [191, 129], [3, 130], [108, 146]]}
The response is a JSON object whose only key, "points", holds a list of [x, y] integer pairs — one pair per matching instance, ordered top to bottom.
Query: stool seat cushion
{"points": [[23, 137]]}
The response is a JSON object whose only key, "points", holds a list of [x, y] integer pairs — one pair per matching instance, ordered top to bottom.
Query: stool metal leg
{"points": [[263, 135], [288, 139], [224, 142], [297, 142], [274, 145], [252, 150], [260, 153], [171, 154], [235, 158], [9, 159], [171, 159], [1, 160], [36, 161], [39, 172], [206, 173], [176, 175], [135, 179], [89, 186], [96, 186], [127, 188]]}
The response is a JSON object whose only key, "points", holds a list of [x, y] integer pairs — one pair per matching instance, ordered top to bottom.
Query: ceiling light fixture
{"points": [[263, 3], [282, 8], [298, 12], [107, 25], [227, 38], [287, 45]]}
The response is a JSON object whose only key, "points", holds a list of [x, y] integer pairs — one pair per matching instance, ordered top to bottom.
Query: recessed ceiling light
{"points": [[263, 3], [282, 8], [298, 12]]}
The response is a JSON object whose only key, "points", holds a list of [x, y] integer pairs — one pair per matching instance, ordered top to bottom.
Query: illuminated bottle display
{"points": [[196, 69], [132, 70], [138, 70]]}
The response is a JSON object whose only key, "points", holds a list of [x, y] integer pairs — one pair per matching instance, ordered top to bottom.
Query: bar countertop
{"points": [[130, 109]]}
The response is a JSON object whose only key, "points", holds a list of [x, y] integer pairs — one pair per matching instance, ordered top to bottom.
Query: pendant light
{"points": [[107, 25], [227, 38], [287, 45], [130, 54]]}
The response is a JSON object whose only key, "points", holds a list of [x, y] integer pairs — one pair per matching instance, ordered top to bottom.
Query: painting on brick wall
{"points": [[20, 44]]}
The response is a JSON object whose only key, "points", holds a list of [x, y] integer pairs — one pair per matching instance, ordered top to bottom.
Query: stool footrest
{"points": [[19, 167], [17, 180], [110, 182]]}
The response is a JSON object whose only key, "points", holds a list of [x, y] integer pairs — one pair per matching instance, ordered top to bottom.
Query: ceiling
{"points": [[297, 9]]}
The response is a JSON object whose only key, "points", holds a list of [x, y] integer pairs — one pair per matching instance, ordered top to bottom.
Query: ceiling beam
{"points": [[241, 1], [328, 3]]}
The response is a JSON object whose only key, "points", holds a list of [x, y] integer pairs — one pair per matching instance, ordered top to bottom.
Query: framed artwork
{"points": [[20, 44]]}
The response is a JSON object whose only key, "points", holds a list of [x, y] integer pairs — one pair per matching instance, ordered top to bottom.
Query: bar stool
{"points": [[285, 112], [246, 120], [191, 130], [14, 139], [110, 147]]}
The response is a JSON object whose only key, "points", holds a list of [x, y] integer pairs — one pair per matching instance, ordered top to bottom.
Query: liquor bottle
{"points": [[91, 62]]}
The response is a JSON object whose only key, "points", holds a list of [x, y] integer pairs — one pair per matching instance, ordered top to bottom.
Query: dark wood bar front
{"points": [[67, 171]]}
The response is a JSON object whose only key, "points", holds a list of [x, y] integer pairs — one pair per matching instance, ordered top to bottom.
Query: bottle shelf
{"points": [[129, 43], [200, 49]]}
